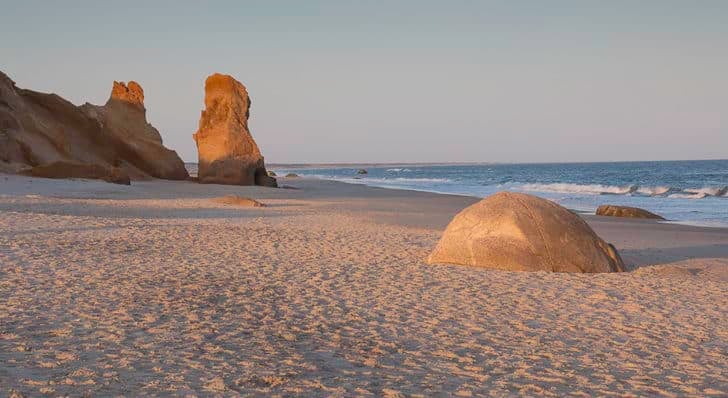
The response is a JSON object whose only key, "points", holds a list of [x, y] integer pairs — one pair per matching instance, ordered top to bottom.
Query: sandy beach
{"points": [[156, 289]]}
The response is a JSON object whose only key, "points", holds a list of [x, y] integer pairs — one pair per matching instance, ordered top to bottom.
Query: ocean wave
{"points": [[397, 170], [407, 179], [380, 180], [593, 189], [635, 190], [653, 191], [709, 191], [697, 195]]}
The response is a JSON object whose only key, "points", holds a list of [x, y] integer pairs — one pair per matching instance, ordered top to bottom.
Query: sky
{"points": [[401, 81]]}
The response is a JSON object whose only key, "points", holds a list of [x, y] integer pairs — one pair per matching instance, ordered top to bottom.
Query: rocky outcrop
{"points": [[131, 94], [38, 129], [138, 142], [226, 149], [626, 211], [519, 232]]}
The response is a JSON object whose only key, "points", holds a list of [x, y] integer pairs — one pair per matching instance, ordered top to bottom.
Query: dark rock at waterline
{"points": [[626, 211]]}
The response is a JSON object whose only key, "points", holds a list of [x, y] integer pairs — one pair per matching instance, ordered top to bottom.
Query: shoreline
{"points": [[441, 206], [694, 223], [157, 289]]}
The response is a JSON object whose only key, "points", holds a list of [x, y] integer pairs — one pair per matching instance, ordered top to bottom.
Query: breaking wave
{"points": [[406, 179], [385, 180], [594, 189], [635, 190]]}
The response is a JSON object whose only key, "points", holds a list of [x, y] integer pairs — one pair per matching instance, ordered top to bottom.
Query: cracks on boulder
{"points": [[540, 232]]}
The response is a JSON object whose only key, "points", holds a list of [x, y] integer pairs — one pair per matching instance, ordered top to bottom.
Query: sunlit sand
{"points": [[159, 289]]}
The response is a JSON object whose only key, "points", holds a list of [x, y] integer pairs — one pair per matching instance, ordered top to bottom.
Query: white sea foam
{"points": [[405, 179], [378, 180], [568, 188], [591, 189], [598, 189], [653, 191], [708, 191], [696, 195]]}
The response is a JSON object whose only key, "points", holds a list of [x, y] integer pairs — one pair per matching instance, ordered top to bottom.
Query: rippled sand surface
{"points": [[156, 289]]}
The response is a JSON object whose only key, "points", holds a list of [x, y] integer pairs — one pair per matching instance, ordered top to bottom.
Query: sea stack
{"points": [[226, 150], [518, 232]]}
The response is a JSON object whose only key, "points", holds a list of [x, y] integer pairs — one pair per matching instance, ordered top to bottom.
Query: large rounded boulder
{"points": [[519, 232]]}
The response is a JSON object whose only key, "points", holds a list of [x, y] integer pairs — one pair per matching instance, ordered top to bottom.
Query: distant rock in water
{"points": [[39, 130], [226, 149], [362, 171], [291, 175], [238, 201], [626, 211], [519, 232]]}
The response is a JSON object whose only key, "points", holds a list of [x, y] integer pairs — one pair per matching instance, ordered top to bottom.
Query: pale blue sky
{"points": [[378, 81]]}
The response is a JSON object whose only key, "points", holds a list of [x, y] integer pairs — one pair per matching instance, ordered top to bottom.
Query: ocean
{"points": [[691, 192]]}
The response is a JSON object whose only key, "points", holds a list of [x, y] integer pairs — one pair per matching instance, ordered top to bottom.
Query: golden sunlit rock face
{"points": [[131, 93], [124, 117], [44, 131], [226, 149]]}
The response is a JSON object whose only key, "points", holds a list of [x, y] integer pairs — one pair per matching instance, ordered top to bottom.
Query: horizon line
{"points": [[470, 163]]}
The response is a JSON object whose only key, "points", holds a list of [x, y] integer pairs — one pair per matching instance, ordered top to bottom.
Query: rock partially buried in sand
{"points": [[226, 149], [80, 170], [272, 173], [291, 175], [238, 201], [626, 211], [519, 232]]}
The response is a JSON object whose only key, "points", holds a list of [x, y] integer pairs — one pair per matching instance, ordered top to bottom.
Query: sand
{"points": [[155, 289]]}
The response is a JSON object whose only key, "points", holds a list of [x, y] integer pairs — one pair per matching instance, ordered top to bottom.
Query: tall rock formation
{"points": [[42, 130], [227, 152]]}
